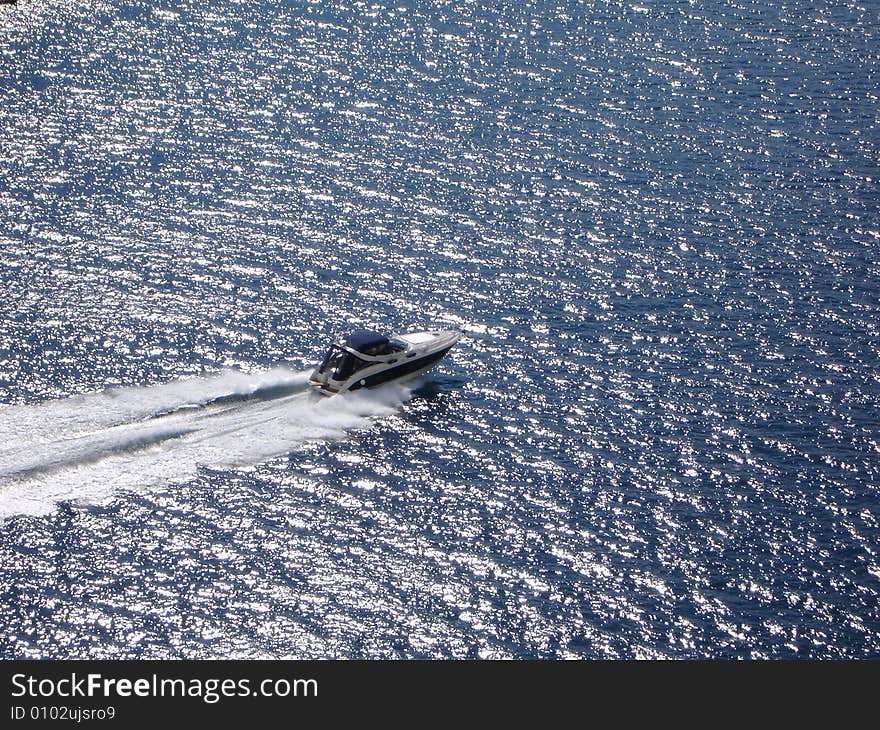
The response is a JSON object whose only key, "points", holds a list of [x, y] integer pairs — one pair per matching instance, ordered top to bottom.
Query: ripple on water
{"points": [[655, 226]]}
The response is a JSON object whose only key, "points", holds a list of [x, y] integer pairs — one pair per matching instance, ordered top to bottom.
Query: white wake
{"points": [[88, 447]]}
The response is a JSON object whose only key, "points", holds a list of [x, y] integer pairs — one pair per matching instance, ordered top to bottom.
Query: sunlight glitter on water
{"points": [[656, 226]]}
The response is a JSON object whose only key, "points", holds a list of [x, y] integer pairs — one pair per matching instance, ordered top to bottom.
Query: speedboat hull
{"points": [[368, 360]]}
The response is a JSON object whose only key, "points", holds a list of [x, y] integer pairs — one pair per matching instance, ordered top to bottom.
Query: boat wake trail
{"points": [[88, 447]]}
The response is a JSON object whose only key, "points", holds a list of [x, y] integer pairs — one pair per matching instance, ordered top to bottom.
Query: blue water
{"points": [[656, 224]]}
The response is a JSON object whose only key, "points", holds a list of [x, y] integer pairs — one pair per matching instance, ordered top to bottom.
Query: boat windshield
{"points": [[342, 363]]}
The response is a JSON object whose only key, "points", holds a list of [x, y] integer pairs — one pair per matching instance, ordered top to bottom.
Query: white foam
{"points": [[46, 422], [88, 448]]}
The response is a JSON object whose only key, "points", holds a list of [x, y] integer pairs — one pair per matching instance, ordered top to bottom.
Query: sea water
{"points": [[656, 225]]}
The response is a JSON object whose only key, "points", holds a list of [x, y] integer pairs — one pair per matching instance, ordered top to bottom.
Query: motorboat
{"points": [[366, 359]]}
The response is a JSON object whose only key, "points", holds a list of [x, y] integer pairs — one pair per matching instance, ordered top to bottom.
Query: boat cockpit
{"points": [[343, 361]]}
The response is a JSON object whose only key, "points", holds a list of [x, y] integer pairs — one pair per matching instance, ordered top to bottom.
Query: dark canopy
{"points": [[367, 342]]}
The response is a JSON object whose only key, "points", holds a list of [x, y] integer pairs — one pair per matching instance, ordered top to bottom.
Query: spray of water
{"points": [[89, 447]]}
